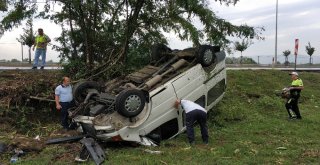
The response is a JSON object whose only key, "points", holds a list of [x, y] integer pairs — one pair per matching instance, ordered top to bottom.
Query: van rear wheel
{"points": [[158, 50], [206, 55], [81, 89]]}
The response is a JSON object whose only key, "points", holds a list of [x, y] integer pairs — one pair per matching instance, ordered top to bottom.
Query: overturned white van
{"points": [[139, 107]]}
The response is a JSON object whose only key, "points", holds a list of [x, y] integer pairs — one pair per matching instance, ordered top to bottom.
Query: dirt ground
{"points": [[16, 86], [27, 113]]}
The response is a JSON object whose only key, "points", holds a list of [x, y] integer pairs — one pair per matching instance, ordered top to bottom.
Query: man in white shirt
{"points": [[63, 98], [194, 112]]}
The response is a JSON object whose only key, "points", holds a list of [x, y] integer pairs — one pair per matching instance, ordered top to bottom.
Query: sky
{"points": [[297, 19]]}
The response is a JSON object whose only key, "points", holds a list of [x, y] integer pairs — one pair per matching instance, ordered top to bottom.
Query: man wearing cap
{"points": [[292, 102], [194, 112]]}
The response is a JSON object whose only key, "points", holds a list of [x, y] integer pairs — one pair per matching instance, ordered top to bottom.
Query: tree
{"points": [[3, 6], [108, 32], [27, 37], [242, 46], [310, 50], [286, 53], [14, 60]]}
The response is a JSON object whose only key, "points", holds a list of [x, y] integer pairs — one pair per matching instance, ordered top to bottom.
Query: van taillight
{"points": [[116, 138]]}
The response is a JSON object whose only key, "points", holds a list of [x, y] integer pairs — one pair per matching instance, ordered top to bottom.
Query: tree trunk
{"points": [[130, 29], [86, 39], [74, 53], [29, 55], [241, 58], [310, 60], [286, 61]]}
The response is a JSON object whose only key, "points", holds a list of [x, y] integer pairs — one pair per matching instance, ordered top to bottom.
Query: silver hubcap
{"points": [[208, 55], [132, 103]]}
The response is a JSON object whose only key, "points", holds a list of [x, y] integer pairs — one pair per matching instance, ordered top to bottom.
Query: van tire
{"points": [[158, 50], [206, 55], [80, 90], [130, 102]]}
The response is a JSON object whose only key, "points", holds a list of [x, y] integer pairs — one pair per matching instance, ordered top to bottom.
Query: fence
{"points": [[267, 59]]}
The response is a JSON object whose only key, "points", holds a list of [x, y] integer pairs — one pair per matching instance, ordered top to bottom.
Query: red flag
{"points": [[296, 47]]}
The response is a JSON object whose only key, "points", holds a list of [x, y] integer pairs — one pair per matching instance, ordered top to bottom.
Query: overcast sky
{"points": [[296, 19]]}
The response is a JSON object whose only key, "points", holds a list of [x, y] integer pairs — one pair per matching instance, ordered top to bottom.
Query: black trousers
{"points": [[292, 105], [64, 113], [201, 118]]}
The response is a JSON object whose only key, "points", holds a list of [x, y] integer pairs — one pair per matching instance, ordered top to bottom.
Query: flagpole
{"points": [[276, 42]]}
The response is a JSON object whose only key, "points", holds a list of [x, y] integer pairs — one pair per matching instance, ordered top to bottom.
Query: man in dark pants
{"points": [[63, 98], [292, 102], [194, 112]]}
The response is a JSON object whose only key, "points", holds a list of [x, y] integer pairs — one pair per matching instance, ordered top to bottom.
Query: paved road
{"points": [[26, 68], [268, 68]]}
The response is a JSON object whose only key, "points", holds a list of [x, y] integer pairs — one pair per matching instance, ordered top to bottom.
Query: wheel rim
{"points": [[208, 56], [132, 103]]}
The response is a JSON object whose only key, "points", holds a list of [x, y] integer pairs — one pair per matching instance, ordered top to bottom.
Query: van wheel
{"points": [[158, 50], [206, 55], [81, 89], [130, 102]]}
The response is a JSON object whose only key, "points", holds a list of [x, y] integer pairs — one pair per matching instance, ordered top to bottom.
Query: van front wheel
{"points": [[130, 102]]}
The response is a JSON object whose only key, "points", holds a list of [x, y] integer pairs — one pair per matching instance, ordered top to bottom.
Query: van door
{"points": [[189, 86]]}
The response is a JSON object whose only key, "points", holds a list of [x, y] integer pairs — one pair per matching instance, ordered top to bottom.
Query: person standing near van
{"points": [[40, 44], [63, 99], [292, 102], [194, 112]]}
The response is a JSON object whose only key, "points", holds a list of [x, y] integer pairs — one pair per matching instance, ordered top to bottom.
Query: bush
{"points": [[74, 68], [269, 103], [225, 112]]}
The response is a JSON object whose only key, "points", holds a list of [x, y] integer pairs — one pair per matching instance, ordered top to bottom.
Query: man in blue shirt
{"points": [[63, 98]]}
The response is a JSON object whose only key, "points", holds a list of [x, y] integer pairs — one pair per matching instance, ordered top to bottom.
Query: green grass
{"points": [[247, 127]]}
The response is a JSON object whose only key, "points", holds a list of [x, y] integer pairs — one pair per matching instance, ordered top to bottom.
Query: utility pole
{"points": [[276, 43], [21, 52]]}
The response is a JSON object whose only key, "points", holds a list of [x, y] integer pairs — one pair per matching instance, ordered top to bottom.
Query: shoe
{"points": [[34, 67], [42, 67], [292, 118], [192, 143], [206, 143]]}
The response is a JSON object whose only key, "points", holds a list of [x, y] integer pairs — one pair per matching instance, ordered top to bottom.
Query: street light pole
{"points": [[276, 43], [21, 52]]}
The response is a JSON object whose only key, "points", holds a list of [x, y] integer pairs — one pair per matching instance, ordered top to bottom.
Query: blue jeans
{"points": [[38, 53]]}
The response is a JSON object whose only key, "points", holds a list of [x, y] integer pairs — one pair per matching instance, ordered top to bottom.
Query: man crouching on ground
{"points": [[63, 98], [194, 112]]}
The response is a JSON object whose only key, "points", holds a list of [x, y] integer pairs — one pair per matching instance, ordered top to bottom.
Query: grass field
{"points": [[249, 126]]}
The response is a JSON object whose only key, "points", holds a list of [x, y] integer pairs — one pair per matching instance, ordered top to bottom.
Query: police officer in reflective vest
{"points": [[40, 44], [292, 102]]}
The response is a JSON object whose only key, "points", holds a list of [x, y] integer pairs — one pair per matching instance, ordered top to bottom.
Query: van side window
{"points": [[216, 91], [201, 101]]}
